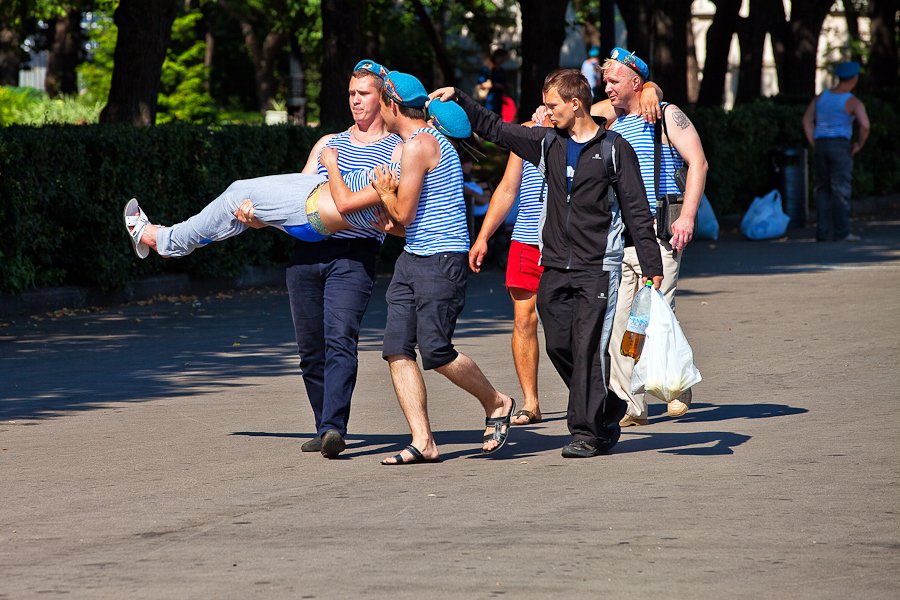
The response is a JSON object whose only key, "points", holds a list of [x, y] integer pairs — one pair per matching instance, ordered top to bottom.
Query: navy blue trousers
{"points": [[834, 178], [329, 284]]}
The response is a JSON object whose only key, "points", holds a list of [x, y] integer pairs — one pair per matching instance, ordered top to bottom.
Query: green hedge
{"points": [[739, 143], [62, 189]]}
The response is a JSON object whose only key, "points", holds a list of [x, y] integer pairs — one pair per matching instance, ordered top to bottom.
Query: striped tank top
{"points": [[832, 119], [639, 134], [352, 157], [530, 203], [440, 223]]}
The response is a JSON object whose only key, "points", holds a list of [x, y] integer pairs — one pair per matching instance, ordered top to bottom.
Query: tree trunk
{"points": [[851, 14], [638, 24], [607, 28], [778, 30], [144, 31], [543, 33], [752, 39], [342, 42], [718, 43], [437, 44], [801, 46], [65, 54], [10, 56], [883, 61], [668, 63]]}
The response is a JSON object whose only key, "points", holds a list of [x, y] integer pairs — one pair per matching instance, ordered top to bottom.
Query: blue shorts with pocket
{"points": [[424, 299]]}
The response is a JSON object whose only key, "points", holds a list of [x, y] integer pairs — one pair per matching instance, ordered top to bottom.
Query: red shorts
{"points": [[522, 268]]}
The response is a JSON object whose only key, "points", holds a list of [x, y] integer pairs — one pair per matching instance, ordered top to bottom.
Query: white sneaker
{"points": [[851, 238]]}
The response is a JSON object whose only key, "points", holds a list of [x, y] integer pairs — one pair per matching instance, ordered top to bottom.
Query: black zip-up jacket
{"points": [[577, 225]]}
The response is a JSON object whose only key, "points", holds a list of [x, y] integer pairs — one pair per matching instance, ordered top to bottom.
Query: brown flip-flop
{"points": [[532, 418]]}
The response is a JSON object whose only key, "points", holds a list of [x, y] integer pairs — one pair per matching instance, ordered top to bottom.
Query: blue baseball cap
{"points": [[594, 51], [630, 60], [367, 64], [847, 70], [405, 90], [449, 118]]}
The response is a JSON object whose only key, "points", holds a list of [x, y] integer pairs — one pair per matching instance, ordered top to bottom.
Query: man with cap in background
{"points": [[590, 68], [625, 75], [828, 125], [330, 282], [427, 290]]}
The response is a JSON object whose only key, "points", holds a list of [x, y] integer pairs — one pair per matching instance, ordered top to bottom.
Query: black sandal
{"points": [[498, 435], [417, 457]]}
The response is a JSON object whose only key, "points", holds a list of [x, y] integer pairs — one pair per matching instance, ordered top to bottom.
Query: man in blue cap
{"points": [[828, 124], [679, 145], [330, 282], [427, 290]]}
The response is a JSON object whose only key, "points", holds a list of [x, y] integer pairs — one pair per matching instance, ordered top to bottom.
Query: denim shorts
{"points": [[424, 299]]}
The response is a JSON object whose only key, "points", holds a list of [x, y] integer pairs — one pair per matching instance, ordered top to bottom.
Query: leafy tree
{"points": [[183, 94]]}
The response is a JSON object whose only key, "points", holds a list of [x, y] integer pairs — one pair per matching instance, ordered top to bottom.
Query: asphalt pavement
{"points": [[152, 450]]}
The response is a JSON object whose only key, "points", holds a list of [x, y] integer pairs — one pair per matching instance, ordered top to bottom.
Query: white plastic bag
{"points": [[765, 219], [707, 224], [666, 367]]}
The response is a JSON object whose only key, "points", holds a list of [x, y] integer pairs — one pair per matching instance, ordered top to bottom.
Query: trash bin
{"points": [[792, 180]]}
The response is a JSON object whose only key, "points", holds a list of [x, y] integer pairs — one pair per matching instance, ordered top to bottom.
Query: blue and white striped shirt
{"points": [[639, 134], [352, 157], [357, 180], [530, 204], [440, 223]]}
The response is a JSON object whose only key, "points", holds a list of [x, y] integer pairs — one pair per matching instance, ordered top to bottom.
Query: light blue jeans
{"points": [[278, 201]]}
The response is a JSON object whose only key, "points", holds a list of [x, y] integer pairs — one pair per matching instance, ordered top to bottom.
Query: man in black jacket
{"points": [[576, 296]]}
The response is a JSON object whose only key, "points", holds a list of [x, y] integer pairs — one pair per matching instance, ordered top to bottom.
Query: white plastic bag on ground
{"points": [[765, 219], [707, 224], [666, 367]]}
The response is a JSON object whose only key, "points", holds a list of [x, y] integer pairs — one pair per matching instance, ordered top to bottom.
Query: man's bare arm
{"points": [[684, 138]]}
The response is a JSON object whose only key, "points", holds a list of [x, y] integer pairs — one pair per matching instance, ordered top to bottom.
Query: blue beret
{"points": [[594, 51], [631, 61], [371, 66], [847, 70], [405, 90], [449, 118]]}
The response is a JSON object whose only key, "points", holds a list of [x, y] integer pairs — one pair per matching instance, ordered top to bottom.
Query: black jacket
{"points": [[577, 225]]}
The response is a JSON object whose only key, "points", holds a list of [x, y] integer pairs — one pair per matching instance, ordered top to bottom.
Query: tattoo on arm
{"points": [[681, 119]]}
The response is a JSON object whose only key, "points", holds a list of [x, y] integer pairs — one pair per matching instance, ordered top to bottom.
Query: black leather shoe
{"points": [[332, 444], [313, 445], [580, 449]]}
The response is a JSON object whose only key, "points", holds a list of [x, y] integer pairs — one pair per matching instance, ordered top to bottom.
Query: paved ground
{"points": [[152, 451]]}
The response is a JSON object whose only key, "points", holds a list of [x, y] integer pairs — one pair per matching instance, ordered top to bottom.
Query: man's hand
{"points": [[445, 94], [650, 108], [540, 113], [856, 147], [329, 158], [385, 181], [244, 214], [383, 222], [682, 232], [477, 254], [657, 281]]}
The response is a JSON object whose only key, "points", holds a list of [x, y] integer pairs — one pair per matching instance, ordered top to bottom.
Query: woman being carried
{"points": [[307, 206]]}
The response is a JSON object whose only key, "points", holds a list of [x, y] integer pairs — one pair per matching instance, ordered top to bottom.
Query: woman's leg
{"points": [[279, 200]]}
